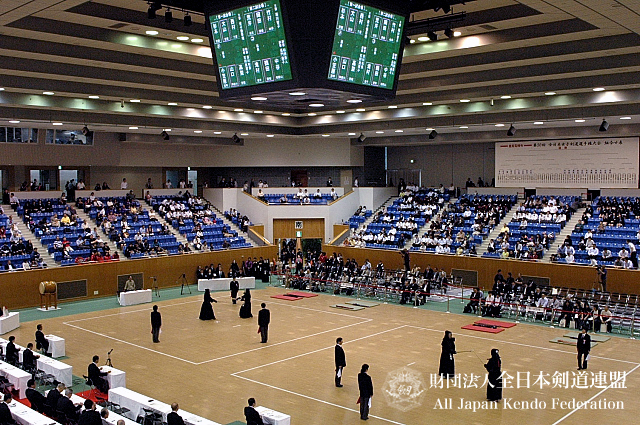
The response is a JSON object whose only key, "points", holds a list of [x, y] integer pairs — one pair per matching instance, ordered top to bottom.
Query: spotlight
{"points": [[153, 8], [168, 16], [187, 20], [448, 32], [432, 36], [604, 126], [511, 131], [433, 134], [164, 135], [235, 138], [362, 138]]}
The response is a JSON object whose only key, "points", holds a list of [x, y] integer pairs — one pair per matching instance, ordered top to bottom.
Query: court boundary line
{"points": [[362, 320], [237, 374]]}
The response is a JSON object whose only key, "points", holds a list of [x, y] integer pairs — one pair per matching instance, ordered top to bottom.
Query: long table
{"points": [[222, 284], [141, 296], [9, 322], [56, 346], [62, 371], [16, 376], [116, 378], [136, 402], [27, 416], [272, 417]]}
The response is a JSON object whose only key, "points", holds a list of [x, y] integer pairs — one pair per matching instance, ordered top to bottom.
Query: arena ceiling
{"points": [[553, 69]]}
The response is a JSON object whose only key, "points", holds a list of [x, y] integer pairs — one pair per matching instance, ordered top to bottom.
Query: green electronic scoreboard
{"points": [[250, 45], [366, 46]]}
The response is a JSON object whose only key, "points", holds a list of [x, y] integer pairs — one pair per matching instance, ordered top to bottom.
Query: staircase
{"points": [[369, 219], [231, 225], [423, 229], [496, 230], [566, 230], [27, 234], [179, 237], [105, 238]]}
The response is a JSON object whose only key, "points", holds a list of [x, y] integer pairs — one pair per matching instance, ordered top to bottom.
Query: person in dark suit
{"points": [[405, 259], [234, 286], [264, 318], [156, 324], [41, 341], [584, 346], [11, 351], [29, 358], [341, 361], [447, 364], [494, 367], [96, 376], [365, 385], [54, 394], [36, 399], [66, 406], [5, 412], [251, 414], [90, 416], [173, 418]]}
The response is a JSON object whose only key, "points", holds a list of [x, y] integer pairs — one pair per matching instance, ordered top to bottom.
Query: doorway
{"points": [[300, 177], [192, 181]]}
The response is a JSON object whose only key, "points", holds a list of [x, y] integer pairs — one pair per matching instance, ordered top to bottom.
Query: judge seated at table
{"points": [[130, 285], [41, 341], [12, 352], [29, 358], [95, 376], [54, 395], [36, 399], [66, 407], [5, 413], [251, 414], [90, 416], [173, 418]]}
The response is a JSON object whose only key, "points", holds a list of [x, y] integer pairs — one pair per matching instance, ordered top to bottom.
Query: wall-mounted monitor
{"points": [[250, 45], [367, 45]]}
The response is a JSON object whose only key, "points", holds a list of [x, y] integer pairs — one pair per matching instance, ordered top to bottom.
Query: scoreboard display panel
{"points": [[250, 45], [366, 45]]}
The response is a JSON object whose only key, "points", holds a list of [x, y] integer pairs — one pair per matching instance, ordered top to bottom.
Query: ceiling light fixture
{"points": [[168, 16], [151, 32], [457, 33], [182, 38], [423, 38], [197, 40], [599, 89], [48, 93], [297, 93], [550, 93], [94, 97], [505, 97], [258, 98], [465, 100], [135, 101], [354, 101], [427, 103], [172, 104], [316, 105], [207, 107], [392, 107], [238, 110], [360, 110], [257, 112], [340, 112], [286, 114], [312, 114], [625, 118], [580, 120], [14, 122], [57, 123], [538, 123], [499, 125], [464, 126], [133, 128], [197, 131], [399, 131], [379, 132], [351, 134], [270, 135], [326, 135]]}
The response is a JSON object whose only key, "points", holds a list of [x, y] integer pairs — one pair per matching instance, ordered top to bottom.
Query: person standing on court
{"points": [[405, 259], [234, 286], [264, 318], [156, 323], [584, 346], [341, 362], [447, 364], [494, 384], [365, 385]]}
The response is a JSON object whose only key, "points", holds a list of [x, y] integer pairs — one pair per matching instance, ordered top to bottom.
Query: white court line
{"points": [[312, 309], [127, 312], [282, 342], [131, 343], [523, 345], [318, 350], [598, 394], [316, 399]]}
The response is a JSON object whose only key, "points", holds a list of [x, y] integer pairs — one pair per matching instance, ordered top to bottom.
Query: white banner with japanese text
{"points": [[580, 163]]}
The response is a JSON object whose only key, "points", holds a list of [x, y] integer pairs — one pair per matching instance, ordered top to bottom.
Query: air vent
{"points": [[118, 25], [488, 27]]}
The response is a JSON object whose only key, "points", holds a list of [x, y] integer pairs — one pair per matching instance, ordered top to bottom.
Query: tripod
{"points": [[183, 283], [108, 362]]}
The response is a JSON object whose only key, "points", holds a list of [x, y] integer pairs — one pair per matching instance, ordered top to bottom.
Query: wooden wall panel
{"points": [[285, 228], [583, 277], [20, 289]]}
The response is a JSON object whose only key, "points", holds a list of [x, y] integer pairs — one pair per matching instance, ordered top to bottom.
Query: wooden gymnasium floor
{"points": [[211, 368]]}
